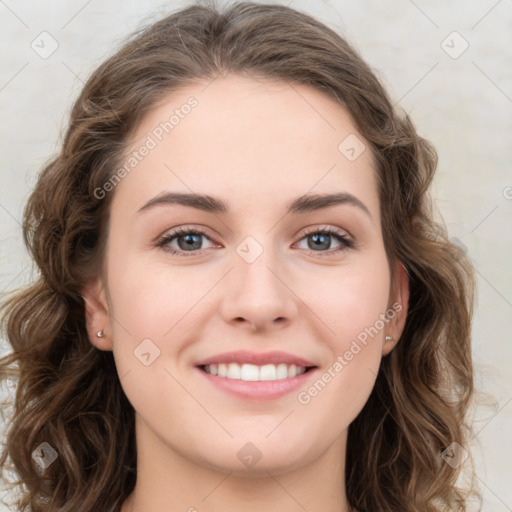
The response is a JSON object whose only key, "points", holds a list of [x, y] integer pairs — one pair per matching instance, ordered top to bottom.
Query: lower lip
{"points": [[258, 390]]}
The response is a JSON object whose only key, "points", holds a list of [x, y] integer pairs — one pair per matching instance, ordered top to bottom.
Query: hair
{"points": [[68, 392]]}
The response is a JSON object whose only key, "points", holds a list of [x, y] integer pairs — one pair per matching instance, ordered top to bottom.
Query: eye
{"points": [[187, 239], [320, 239]]}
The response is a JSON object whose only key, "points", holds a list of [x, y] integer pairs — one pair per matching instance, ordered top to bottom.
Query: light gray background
{"points": [[462, 103]]}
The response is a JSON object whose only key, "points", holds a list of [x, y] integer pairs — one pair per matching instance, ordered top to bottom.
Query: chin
{"points": [[243, 457]]}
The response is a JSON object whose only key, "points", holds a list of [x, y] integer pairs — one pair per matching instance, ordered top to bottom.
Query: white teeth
{"points": [[233, 371], [282, 371], [249, 372], [252, 372], [268, 372]]}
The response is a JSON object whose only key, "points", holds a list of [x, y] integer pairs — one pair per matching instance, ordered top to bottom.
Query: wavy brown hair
{"points": [[68, 392]]}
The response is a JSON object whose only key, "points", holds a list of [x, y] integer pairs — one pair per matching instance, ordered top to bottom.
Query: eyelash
{"points": [[346, 242]]}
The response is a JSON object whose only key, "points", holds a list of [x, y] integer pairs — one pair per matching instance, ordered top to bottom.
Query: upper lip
{"points": [[256, 358]]}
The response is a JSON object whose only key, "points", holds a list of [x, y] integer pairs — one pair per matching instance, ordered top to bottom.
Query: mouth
{"points": [[255, 373], [257, 376]]}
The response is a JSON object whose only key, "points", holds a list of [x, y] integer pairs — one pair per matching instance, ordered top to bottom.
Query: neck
{"points": [[168, 481]]}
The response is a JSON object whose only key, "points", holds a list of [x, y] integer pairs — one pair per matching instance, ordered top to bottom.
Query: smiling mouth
{"points": [[255, 373]]}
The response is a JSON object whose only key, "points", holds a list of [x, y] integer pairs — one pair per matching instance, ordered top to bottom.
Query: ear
{"points": [[397, 307], [97, 314]]}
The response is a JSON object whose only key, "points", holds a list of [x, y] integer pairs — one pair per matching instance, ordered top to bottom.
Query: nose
{"points": [[257, 296]]}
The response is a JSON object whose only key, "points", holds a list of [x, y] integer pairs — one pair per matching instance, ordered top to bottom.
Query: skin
{"points": [[257, 145]]}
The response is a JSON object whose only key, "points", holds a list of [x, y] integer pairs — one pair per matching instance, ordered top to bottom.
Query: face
{"points": [[247, 328]]}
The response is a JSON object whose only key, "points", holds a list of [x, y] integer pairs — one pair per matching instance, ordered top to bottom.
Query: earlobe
{"points": [[399, 305], [97, 315], [389, 345]]}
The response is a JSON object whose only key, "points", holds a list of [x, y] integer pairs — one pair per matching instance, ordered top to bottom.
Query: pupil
{"points": [[190, 240], [318, 244]]}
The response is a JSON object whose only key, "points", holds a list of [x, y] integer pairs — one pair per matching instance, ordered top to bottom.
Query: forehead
{"points": [[249, 141]]}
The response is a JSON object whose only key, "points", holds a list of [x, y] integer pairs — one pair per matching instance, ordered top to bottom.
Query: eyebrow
{"points": [[210, 204]]}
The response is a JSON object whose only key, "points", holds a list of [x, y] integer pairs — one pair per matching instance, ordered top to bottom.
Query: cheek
{"points": [[149, 299], [350, 301], [152, 306], [352, 306], [354, 311], [334, 399]]}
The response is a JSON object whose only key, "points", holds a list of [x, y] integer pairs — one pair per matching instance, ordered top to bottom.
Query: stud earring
{"points": [[100, 334], [389, 338]]}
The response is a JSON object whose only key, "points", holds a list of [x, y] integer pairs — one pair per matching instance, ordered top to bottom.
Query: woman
{"points": [[244, 301]]}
